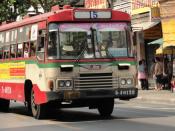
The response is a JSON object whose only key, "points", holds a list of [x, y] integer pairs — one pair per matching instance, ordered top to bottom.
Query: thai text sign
{"points": [[97, 4], [12, 70]]}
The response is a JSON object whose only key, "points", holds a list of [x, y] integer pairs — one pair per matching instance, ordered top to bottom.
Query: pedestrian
{"points": [[152, 69], [158, 73], [146, 74], [167, 74], [142, 75]]}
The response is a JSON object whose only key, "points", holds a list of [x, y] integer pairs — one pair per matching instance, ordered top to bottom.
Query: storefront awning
{"points": [[144, 25], [158, 41], [170, 44], [165, 50]]}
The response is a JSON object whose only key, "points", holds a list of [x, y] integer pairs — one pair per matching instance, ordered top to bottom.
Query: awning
{"points": [[144, 25], [158, 41], [169, 44], [167, 50]]}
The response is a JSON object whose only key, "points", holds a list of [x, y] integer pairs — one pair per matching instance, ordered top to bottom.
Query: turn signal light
{"points": [[51, 85]]}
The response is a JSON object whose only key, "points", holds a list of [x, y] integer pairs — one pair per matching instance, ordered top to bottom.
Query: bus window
{"points": [[41, 39], [72, 43], [52, 45], [32, 48], [26, 50], [52, 50], [13, 51], [20, 51], [1, 52], [6, 52]]}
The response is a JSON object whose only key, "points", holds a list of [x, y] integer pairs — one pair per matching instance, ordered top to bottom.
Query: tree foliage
{"points": [[5, 9], [10, 9]]}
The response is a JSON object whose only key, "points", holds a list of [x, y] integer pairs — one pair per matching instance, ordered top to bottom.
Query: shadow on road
{"points": [[84, 114]]}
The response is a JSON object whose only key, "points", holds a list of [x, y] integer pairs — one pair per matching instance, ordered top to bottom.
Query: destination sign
{"points": [[79, 14]]}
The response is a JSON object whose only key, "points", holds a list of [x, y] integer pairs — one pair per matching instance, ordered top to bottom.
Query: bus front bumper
{"points": [[121, 93]]}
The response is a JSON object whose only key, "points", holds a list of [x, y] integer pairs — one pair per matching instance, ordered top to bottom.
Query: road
{"points": [[127, 116]]}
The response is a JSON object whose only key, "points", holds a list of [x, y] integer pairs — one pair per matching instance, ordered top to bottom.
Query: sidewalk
{"points": [[162, 96]]}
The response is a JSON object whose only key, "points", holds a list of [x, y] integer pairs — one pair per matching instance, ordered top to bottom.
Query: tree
{"points": [[5, 9], [10, 9]]}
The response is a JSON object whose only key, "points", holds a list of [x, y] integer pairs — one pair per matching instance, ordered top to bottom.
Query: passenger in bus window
{"points": [[32, 49], [26, 50], [52, 50], [13, 51], [19, 51], [6, 52], [6, 55]]}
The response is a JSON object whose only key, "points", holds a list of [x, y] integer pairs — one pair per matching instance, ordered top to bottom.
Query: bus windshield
{"points": [[90, 40]]}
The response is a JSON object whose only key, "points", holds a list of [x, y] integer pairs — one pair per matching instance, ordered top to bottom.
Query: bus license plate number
{"points": [[126, 92]]}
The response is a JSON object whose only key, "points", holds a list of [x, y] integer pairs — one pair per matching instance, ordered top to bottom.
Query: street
{"points": [[132, 115]]}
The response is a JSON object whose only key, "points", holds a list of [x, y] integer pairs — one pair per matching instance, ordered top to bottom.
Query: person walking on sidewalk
{"points": [[152, 69], [158, 73], [142, 75]]}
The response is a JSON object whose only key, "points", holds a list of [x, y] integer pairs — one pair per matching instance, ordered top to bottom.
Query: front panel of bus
{"points": [[92, 60]]}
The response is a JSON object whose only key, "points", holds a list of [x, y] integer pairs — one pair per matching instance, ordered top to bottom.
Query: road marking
{"points": [[154, 108], [18, 121], [61, 124]]}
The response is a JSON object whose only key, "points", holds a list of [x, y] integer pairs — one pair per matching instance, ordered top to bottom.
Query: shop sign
{"points": [[96, 4], [137, 4], [155, 13], [168, 27]]}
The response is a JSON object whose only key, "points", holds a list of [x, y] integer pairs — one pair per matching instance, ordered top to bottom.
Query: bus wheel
{"points": [[4, 105], [105, 107], [38, 111]]}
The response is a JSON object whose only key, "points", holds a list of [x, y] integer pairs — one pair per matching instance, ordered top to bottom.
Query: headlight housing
{"points": [[126, 81], [129, 81], [123, 82], [61, 83], [64, 83], [68, 83]]}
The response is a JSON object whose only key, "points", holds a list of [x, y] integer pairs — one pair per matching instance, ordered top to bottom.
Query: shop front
{"points": [[167, 13], [147, 21]]}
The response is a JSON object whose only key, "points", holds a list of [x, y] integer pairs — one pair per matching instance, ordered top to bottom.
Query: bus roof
{"points": [[64, 15], [68, 15]]}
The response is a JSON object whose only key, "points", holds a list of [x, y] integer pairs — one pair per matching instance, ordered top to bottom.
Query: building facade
{"points": [[146, 22], [168, 22]]}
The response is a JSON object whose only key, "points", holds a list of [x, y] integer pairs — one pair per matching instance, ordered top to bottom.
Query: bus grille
{"points": [[95, 80]]}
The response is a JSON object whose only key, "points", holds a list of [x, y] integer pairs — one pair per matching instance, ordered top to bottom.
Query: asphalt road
{"points": [[127, 116]]}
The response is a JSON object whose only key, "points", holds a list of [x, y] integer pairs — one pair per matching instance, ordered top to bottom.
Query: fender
{"points": [[40, 96]]}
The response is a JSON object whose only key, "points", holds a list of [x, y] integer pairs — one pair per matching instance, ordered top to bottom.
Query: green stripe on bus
{"points": [[58, 64]]}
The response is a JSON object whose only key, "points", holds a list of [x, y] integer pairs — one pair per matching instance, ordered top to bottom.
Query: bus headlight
{"points": [[123, 81], [129, 81], [61, 83], [64, 83], [68, 83]]}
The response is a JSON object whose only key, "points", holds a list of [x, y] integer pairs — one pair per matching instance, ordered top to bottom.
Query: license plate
{"points": [[125, 92]]}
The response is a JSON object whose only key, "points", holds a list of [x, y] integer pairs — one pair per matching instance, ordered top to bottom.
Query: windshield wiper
{"points": [[82, 52]]}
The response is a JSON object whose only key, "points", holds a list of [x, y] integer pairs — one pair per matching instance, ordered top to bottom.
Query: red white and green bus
{"points": [[70, 57]]}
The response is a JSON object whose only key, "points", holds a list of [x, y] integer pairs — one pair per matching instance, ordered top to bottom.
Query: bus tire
{"points": [[28, 87], [4, 105], [105, 107], [38, 110]]}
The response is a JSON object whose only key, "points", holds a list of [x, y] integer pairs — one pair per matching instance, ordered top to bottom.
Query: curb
{"points": [[156, 100]]}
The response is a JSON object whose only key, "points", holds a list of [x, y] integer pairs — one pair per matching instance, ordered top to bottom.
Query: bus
{"points": [[70, 57]]}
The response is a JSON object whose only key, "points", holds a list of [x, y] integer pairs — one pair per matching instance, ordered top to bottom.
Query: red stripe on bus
{"points": [[17, 71], [12, 91], [15, 91], [40, 96]]}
